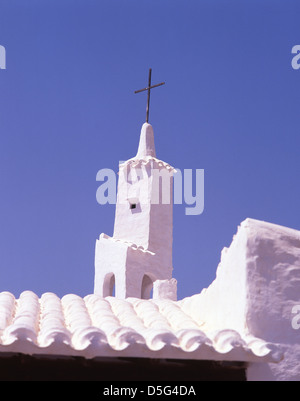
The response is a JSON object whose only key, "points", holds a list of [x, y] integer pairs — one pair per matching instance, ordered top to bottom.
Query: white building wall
{"points": [[255, 292]]}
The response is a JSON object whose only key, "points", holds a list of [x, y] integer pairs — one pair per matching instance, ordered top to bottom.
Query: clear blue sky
{"points": [[67, 109]]}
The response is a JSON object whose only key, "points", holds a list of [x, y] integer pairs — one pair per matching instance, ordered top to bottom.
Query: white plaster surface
{"points": [[129, 264], [273, 281], [256, 287]]}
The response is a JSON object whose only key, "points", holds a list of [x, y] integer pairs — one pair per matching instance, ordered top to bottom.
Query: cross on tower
{"points": [[149, 87]]}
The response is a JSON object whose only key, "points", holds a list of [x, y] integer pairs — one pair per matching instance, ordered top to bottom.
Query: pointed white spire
{"points": [[146, 145]]}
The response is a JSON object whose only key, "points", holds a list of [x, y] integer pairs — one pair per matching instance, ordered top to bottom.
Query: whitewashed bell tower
{"points": [[139, 255]]}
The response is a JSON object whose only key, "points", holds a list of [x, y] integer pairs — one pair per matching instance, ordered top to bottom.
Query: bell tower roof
{"points": [[146, 144]]}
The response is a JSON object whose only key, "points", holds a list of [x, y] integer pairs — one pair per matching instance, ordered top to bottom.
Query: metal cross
{"points": [[149, 87]]}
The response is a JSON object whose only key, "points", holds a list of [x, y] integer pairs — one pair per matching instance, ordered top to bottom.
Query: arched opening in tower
{"points": [[109, 285], [147, 287]]}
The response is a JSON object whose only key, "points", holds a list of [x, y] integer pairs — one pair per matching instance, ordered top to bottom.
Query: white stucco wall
{"points": [[273, 280], [256, 288]]}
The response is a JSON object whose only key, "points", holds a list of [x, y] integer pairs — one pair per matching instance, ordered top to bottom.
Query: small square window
{"points": [[133, 206]]}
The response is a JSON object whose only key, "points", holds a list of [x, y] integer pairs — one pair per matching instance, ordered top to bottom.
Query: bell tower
{"points": [[139, 255]]}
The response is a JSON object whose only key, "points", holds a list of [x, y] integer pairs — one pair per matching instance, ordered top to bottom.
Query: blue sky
{"points": [[67, 109]]}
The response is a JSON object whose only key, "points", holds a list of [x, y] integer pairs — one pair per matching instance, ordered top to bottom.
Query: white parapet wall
{"points": [[165, 289], [256, 292]]}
